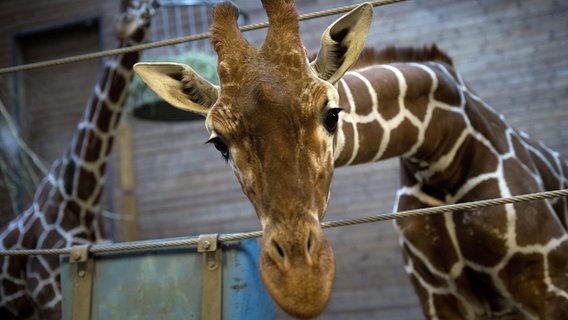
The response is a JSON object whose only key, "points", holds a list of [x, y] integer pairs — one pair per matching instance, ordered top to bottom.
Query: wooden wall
{"points": [[43, 30], [512, 52]]}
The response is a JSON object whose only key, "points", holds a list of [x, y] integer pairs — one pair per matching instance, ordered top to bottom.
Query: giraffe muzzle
{"points": [[297, 267]]}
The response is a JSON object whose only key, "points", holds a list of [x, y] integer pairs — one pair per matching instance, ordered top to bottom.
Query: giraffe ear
{"points": [[342, 42], [179, 85]]}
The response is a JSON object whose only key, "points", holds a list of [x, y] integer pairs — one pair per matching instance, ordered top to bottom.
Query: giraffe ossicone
{"points": [[284, 124]]}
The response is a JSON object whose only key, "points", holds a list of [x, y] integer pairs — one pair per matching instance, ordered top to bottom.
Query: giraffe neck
{"points": [[398, 110], [424, 114], [81, 169]]}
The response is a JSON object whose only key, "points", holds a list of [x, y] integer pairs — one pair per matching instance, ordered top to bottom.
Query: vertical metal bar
{"points": [[204, 17], [166, 26], [192, 26], [154, 27], [179, 27], [82, 266], [212, 286]]}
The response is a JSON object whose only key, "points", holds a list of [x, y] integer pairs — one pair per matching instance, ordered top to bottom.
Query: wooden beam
{"points": [[127, 181]]}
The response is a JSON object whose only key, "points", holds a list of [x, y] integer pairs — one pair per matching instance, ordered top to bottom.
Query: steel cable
{"points": [[171, 42], [131, 246]]}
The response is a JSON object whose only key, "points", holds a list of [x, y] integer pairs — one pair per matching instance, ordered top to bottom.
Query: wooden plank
{"points": [[127, 181]]}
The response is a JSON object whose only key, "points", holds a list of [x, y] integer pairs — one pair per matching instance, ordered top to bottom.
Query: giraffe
{"points": [[284, 123], [65, 206], [503, 262]]}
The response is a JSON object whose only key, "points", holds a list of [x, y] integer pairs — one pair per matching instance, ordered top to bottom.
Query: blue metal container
{"points": [[167, 284]]}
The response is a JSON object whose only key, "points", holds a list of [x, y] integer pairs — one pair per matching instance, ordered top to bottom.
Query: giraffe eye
{"points": [[331, 119], [220, 146]]}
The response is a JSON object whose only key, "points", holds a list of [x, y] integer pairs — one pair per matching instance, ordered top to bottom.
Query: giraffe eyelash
{"points": [[220, 146]]}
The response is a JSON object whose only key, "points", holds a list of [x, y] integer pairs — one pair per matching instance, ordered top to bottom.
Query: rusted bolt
{"points": [[206, 244]]}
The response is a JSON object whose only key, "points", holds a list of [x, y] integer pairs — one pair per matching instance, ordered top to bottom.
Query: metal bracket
{"points": [[82, 279], [211, 291]]}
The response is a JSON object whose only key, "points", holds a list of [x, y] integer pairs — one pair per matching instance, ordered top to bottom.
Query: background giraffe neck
{"points": [[86, 157], [80, 172]]}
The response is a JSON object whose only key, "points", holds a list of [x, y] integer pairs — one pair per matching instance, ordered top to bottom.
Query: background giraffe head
{"points": [[136, 14], [271, 107]]}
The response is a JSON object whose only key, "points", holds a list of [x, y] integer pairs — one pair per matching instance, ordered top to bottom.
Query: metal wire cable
{"points": [[171, 42], [448, 208], [131, 246]]}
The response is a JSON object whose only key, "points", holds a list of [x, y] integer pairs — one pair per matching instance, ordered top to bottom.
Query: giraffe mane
{"points": [[392, 54], [370, 56]]}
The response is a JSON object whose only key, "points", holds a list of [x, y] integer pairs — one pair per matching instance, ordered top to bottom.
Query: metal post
{"points": [[82, 281], [211, 292]]}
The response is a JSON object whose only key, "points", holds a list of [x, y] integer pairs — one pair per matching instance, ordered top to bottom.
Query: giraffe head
{"points": [[136, 15], [273, 118]]}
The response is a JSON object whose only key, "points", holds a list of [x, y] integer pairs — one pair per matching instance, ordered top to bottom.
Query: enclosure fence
{"points": [[116, 247]]}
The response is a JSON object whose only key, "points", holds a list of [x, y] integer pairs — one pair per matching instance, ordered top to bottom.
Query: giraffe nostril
{"points": [[309, 244], [278, 249]]}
